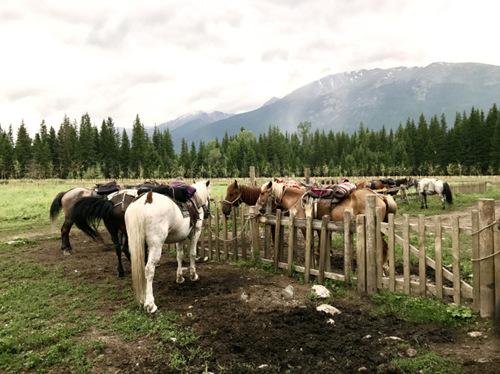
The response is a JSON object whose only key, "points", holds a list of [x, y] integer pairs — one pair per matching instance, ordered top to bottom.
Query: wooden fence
{"points": [[455, 260]]}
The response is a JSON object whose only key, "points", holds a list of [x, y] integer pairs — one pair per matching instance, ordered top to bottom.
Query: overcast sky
{"points": [[162, 59]]}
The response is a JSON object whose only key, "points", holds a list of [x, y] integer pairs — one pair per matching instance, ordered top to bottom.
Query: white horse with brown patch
{"points": [[150, 223]]}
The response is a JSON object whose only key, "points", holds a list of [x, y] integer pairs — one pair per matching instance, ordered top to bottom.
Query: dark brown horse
{"points": [[379, 184], [65, 201], [88, 211]]}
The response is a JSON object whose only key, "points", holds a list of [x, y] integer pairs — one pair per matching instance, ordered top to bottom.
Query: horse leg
{"points": [[443, 201], [65, 229], [124, 244], [118, 250], [192, 251], [180, 256], [153, 260]]}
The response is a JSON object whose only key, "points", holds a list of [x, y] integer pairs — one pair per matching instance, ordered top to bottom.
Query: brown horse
{"points": [[236, 194], [291, 199]]}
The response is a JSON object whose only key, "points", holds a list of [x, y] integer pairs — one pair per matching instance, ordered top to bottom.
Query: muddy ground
{"points": [[266, 333]]}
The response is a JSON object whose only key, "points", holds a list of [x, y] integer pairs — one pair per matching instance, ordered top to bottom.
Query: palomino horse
{"points": [[431, 186], [291, 200], [65, 201], [88, 211], [152, 220]]}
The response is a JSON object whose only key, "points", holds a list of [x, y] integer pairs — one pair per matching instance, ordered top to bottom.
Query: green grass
{"points": [[460, 202], [421, 310], [49, 317], [427, 363]]}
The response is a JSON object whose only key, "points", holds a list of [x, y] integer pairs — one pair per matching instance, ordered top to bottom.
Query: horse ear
{"points": [[208, 182], [235, 183], [270, 184]]}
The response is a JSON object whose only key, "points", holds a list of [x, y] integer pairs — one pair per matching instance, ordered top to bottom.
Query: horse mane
{"points": [[249, 194]]}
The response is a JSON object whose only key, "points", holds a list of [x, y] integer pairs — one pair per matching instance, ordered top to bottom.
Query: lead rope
{"points": [[481, 230]]}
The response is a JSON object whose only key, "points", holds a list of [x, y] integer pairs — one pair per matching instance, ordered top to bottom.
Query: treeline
{"points": [[425, 147]]}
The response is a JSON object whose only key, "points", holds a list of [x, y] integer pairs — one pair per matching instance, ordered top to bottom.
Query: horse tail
{"points": [[447, 193], [56, 205], [391, 206], [88, 211], [136, 242]]}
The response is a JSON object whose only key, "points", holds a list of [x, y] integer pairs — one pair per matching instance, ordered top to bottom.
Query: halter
{"points": [[237, 199]]}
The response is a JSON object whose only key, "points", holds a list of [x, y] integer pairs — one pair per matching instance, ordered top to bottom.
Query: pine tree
{"points": [[67, 140], [87, 148], [23, 150], [41, 153], [6, 155], [125, 155], [110, 164]]}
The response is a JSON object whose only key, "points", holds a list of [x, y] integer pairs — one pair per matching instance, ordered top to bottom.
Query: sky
{"points": [[163, 59]]}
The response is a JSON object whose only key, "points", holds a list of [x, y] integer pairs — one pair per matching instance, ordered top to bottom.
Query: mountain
{"points": [[378, 97], [188, 124]]}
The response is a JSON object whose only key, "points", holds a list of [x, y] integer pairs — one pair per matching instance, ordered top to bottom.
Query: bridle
{"points": [[233, 202]]}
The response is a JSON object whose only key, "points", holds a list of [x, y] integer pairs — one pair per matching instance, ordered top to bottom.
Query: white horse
{"points": [[431, 186], [149, 225]]}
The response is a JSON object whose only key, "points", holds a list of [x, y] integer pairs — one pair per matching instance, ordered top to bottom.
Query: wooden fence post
{"points": [[307, 175], [252, 176], [267, 231], [277, 232], [235, 233], [243, 235], [210, 237], [225, 237], [255, 238], [309, 240], [217, 241], [391, 241], [291, 242], [347, 245], [371, 245], [322, 248], [455, 248], [496, 249], [361, 252], [406, 254], [379, 256], [421, 256], [439, 257], [486, 266], [476, 274]]}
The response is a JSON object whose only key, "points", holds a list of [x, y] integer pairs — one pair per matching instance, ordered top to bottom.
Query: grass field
{"points": [[54, 321]]}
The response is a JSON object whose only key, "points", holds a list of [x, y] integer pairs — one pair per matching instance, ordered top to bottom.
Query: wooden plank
{"points": [[307, 175], [252, 176], [300, 223], [234, 233], [277, 233], [255, 238], [391, 240], [291, 242], [347, 245], [371, 245], [307, 249], [322, 249], [328, 251], [361, 252], [455, 252], [406, 254], [421, 254], [439, 257], [475, 264], [448, 275], [486, 285], [430, 289]]}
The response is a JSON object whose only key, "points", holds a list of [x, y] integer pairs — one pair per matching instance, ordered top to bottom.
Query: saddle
{"points": [[106, 188], [334, 193]]}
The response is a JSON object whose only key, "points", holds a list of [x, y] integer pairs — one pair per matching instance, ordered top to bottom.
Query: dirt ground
{"points": [[264, 332]]}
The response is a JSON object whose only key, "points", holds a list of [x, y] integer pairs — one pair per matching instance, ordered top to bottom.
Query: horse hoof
{"points": [[66, 252], [194, 277], [180, 279], [150, 308]]}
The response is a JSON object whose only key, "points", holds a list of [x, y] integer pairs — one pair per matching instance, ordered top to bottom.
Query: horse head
{"points": [[265, 191], [233, 198]]}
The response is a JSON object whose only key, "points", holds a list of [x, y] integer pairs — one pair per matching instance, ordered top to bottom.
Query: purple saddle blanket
{"points": [[189, 190]]}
